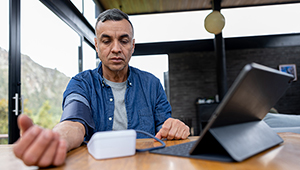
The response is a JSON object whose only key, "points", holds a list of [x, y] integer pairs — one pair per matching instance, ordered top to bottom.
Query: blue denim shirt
{"points": [[145, 101]]}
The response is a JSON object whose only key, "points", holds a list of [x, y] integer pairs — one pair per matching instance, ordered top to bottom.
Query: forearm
{"points": [[72, 132]]}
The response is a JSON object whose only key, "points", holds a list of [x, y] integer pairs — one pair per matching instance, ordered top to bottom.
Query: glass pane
{"points": [[78, 4], [88, 9], [89, 12], [262, 20], [247, 21], [165, 27], [4, 36], [49, 50], [89, 57], [148, 62]]}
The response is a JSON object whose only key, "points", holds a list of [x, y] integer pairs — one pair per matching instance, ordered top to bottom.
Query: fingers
{"points": [[24, 123], [173, 129], [164, 131], [179, 133], [183, 133], [158, 135], [23, 143], [40, 147], [37, 148], [55, 153], [61, 153], [49, 154]]}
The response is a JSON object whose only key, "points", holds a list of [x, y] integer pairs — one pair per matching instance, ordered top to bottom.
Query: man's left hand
{"points": [[173, 129]]}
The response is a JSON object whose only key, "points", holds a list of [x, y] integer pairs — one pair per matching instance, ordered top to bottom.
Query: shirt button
{"points": [[130, 84], [111, 99], [109, 118]]}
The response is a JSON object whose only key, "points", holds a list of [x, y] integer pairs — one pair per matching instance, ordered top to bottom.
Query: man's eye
{"points": [[124, 41], [106, 42]]}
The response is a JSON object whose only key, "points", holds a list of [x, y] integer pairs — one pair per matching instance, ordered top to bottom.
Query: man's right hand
{"points": [[38, 146]]}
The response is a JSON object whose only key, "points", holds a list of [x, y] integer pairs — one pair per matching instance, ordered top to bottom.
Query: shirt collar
{"points": [[100, 72]]}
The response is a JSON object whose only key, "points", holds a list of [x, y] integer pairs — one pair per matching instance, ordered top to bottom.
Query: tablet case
{"points": [[236, 131], [236, 142]]}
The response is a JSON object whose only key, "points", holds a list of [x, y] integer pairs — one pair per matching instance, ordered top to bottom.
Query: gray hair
{"points": [[113, 15]]}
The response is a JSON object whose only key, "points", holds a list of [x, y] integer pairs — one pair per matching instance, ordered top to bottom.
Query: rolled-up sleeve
{"points": [[76, 104], [79, 112]]}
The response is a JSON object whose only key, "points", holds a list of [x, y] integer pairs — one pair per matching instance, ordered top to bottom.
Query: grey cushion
{"points": [[283, 122], [287, 129]]}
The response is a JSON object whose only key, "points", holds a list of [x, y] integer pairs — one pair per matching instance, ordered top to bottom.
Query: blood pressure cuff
{"points": [[78, 112]]}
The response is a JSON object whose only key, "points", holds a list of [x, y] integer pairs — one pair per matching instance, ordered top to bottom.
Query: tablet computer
{"points": [[235, 130]]}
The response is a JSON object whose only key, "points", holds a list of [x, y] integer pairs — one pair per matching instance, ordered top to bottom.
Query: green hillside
{"points": [[41, 88]]}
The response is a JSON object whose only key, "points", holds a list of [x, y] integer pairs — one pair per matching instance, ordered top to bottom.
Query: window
{"points": [[78, 4], [87, 8], [89, 12], [4, 20], [262, 20], [247, 21], [88, 53], [89, 57], [49, 58], [155, 64]]}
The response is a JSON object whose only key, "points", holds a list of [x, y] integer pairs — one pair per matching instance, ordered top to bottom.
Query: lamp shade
{"points": [[214, 22]]}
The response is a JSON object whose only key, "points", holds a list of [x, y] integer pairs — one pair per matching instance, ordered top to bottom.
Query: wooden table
{"points": [[285, 156]]}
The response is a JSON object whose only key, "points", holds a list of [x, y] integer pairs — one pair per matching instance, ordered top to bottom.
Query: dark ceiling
{"points": [[133, 7]]}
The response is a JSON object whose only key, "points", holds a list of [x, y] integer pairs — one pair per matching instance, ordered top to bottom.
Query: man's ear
{"points": [[96, 44], [133, 46]]}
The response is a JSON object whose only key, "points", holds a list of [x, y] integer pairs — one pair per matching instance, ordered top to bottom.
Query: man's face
{"points": [[115, 44]]}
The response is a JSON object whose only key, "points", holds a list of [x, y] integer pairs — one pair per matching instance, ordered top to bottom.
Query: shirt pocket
{"points": [[146, 120]]}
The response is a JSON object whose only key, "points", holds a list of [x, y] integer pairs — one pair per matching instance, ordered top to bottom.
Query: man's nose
{"points": [[116, 48]]}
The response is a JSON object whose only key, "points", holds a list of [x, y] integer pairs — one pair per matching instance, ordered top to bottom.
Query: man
{"points": [[114, 96]]}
